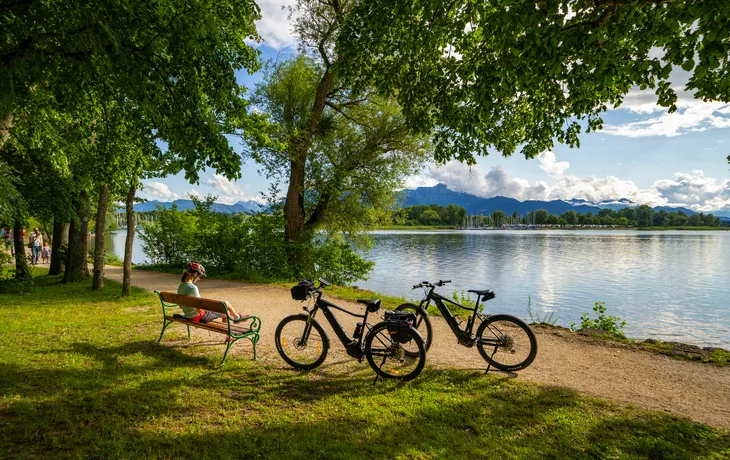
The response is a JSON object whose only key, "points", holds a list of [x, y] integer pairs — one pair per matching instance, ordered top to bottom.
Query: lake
{"points": [[670, 285]]}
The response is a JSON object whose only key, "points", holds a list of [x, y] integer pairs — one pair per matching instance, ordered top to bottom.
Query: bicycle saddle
{"points": [[485, 292], [372, 304]]}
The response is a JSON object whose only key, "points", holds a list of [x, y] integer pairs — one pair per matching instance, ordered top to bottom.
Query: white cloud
{"points": [[274, 26], [695, 116], [549, 163], [462, 178], [413, 182], [160, 190], [692, 190], [697, 191], [230, 193]]}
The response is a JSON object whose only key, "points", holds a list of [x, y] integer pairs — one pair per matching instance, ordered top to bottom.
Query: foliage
{"points": [[77, 55], [521, 74], [356, 157], [430, 215], [641, 216], [251, 247], [535, 318], [612, 324], [101, 367]]}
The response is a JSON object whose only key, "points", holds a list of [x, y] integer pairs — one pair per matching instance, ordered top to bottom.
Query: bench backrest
{"points": [[195, 302]]}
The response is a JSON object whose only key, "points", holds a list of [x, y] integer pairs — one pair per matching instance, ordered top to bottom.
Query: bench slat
{"points": [[195, 302], [213, 326]]}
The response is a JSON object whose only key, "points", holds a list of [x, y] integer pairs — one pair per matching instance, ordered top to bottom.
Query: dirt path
{"points": [[696, 391]]}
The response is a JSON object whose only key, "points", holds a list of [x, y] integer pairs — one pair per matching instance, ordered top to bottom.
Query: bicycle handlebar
{"points": [[431, 285]]}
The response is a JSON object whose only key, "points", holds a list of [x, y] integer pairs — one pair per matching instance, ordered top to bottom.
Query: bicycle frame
{"points": [[464, 336], [353, 348]]}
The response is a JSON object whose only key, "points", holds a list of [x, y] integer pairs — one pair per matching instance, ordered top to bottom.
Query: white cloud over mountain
{"points": [[159, 190], [693, 190], [230, 193]]}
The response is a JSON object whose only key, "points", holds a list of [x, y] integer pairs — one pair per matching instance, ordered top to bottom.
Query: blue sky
{"points": [[643, 153]]}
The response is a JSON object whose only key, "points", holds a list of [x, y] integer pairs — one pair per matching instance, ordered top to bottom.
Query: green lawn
{"points": [[82, 376]]}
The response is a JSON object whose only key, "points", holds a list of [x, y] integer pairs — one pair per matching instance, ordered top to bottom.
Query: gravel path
{"points": [[697, 391]]}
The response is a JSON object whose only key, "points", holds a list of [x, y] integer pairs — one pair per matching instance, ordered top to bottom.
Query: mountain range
{"points": [[440, 194], [247, 207]]}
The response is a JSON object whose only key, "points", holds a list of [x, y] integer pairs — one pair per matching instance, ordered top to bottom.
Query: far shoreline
{"points": [[452, 228]]}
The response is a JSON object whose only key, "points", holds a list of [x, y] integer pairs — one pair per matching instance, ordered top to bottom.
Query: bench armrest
{"points": [[255, 322]]}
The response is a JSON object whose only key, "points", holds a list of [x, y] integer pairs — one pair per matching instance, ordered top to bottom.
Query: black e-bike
{"points": [[504, 341], [393, 348]]}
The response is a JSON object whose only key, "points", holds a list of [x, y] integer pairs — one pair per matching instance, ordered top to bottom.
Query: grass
{"points": [[82, 376]]}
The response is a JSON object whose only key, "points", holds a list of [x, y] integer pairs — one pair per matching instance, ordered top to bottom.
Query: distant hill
{"points": [[440, 194], [247, 207]]}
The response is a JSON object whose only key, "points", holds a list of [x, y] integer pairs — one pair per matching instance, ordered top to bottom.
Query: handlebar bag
{"points": [[302, 290], [398, 323]]}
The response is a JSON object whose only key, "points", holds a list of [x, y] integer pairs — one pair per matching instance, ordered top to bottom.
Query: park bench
{"points": [[234, 329]]}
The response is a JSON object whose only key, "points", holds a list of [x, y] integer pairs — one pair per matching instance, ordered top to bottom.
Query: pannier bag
{"points": [[302, 290], [399, 320]]}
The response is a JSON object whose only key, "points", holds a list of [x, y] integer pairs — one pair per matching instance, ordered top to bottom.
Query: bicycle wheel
{"points": [[423, 323], [301, 342], [506, 342], [395, 351]]}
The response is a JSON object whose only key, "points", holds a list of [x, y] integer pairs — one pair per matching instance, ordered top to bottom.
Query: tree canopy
{"points": [[505, 75]]}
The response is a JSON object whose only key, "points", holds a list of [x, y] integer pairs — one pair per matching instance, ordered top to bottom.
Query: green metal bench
{"points": [[234, 329]]}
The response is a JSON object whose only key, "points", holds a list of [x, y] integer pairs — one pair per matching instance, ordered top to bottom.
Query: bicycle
{"points": [[504, 341], [393, 348]]}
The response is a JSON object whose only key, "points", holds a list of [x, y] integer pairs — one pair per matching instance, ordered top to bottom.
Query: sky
{"points": [[643, 153]]}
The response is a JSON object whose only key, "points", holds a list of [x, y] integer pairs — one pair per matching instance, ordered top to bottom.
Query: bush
{"points": [[249, 247], [612, 324]]}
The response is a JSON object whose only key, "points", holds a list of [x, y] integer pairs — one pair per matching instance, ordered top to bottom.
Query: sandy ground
{"points": [[697, 391]]}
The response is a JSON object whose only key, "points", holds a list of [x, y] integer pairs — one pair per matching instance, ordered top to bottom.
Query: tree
{"points": [[150, 53], [80, 58], [522, 74], [343, 156], [644, 216], [430, 217], [541, 217], [570, 217], [498, 218], [552, 219], [659, 219]]}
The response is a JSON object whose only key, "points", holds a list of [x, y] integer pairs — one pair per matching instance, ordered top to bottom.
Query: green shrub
{"points": [[247, 247], [612, 324]]}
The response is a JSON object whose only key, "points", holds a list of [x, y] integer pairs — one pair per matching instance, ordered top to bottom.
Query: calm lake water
{"points": [[667, 285]]}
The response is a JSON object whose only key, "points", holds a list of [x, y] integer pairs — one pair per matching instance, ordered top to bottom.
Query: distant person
{"points": [[7, 239], [10, 242], [36, 243], [46, 253], [192, 275]]}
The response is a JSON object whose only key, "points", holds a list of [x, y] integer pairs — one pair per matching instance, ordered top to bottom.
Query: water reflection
{"points": [[669, 285]]}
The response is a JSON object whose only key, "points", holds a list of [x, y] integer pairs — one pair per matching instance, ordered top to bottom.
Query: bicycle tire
{"points": [[423, 323], [499, 339], [283, 343], [394, 350]]}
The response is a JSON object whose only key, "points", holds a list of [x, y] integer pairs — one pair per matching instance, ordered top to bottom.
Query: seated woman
{"points": [[187, 287]]}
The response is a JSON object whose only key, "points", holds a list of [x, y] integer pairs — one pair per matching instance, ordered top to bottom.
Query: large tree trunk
{"points": [[295, 231], [60, 238], [129, 243], [21, 263], [77, 266], [98, 281]]}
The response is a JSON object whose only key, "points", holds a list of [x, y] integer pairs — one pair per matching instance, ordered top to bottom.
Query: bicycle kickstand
{"points": [[489, 365]]}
